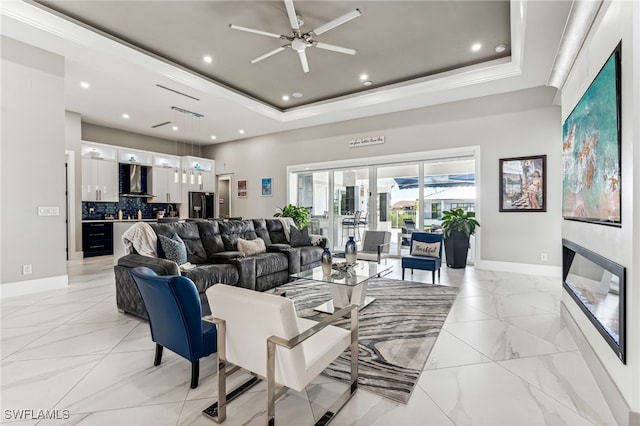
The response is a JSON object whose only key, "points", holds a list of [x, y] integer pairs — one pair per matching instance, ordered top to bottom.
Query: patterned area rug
{"points": [[396, 333]]}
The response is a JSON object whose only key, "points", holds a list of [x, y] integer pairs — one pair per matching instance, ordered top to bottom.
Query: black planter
{"points": [[456, 247]]}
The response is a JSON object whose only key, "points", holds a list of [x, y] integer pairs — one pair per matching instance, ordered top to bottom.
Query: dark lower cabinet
{"points": [[97, 239]]}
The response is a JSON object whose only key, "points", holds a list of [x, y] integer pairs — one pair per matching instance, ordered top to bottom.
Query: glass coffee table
{"points": [[349, 287]]}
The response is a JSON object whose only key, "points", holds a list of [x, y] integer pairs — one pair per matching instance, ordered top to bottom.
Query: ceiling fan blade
{"points": [[291, 12], [336, 22], [251, 30], [335, 48], [266, 55], [303, 61]]}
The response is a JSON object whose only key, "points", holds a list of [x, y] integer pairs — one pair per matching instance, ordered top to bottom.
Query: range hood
{"points": [[135, 181]]}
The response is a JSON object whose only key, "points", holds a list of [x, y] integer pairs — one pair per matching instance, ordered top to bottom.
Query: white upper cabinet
{"points": [[132, 156], [99, 173], [199, 174], [166, 178]]}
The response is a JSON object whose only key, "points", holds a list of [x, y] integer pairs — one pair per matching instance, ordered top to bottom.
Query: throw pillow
{"points": [[299, 237], [251, 247], [174, 248], [419, 248]]}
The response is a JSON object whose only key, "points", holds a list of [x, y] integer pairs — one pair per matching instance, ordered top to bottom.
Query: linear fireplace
{"points": [[598, 286]]}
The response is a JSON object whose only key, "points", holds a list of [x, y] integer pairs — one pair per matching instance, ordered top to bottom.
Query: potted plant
{"points": [[300, 215], [457, 227]]}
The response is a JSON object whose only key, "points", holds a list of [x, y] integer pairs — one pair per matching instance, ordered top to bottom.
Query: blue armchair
{"points": [[425, 254], [175, 318]]}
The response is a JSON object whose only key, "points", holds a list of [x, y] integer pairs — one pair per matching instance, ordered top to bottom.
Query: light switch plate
{"points": [[48, 211]]}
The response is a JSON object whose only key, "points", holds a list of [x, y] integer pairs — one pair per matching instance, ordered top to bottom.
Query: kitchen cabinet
{"points": [[200, 174], [99, 180], [164, 186], [97, 239]]}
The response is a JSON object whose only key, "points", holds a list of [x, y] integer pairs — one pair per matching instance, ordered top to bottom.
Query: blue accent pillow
{"points": [[174, 248]]}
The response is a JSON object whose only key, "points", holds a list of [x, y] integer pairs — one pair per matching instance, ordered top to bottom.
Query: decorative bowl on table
{"points": [[344, 267]]}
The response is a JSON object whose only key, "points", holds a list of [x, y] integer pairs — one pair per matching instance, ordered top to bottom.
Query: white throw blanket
{"points": [[287, 223], [142, 238]]}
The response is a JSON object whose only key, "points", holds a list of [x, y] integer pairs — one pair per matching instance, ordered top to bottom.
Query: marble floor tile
{"points": [[502, 305], [49, 315], [548, 327], [14, 339], [76, 339], [498, 340], [449, 351], [504, 357], [566, 378], [127, 380], [40, 384], [487, 394], [369, 409], [151, 415]]}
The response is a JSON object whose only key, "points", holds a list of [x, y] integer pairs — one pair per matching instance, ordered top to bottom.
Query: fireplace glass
{"points": [[597, 285]]}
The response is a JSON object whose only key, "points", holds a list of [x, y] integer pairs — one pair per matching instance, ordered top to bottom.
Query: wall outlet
{"points": [[48, 211], [543, 257], [27, 269]]}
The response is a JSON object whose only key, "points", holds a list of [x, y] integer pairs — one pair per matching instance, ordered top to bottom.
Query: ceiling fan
{"points": [[299, 41]]}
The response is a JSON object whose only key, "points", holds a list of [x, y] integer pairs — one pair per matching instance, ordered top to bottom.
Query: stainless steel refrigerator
{"points": [[201, 205]]}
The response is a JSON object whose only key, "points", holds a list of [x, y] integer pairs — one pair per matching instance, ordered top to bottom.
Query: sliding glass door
{"points": [[401, 198]]}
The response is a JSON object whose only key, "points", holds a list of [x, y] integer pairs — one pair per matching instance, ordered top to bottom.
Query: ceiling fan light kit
{"points": [[300, 41]]}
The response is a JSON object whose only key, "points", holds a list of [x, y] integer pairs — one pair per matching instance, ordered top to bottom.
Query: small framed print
{"points": [[523, 184], [267, 187], [242, 188]]}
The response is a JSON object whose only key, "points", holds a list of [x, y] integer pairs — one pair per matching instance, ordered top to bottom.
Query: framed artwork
{"points": [[591, 137], [523, 184], [267, 187], [242, 188]]}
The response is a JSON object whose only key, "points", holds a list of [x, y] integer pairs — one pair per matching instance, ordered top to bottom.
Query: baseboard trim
{"points": [[76, 255], [521, 268], [21, 288], [616, 402]]}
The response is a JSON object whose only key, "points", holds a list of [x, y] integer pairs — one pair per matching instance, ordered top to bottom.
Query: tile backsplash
{"points": [[129, 206]]}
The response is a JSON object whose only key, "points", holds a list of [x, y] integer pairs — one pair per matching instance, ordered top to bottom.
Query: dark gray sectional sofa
{"points": [[212, 247]]}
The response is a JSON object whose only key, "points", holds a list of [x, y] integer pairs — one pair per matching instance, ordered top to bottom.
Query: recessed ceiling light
{"points": [[476, 46], [501, 48], [207, 58], [364, 77], [367, 83], [84, 85], [296, 94], [285, 97], [125, 116], [175, 128], [241, 131], [214, 137]]}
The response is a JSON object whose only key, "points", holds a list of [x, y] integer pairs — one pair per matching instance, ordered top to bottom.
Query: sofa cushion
{"points": [[260, 225], [231, 230], [276, 231], [189, 233], [210, 236], [299, 237], [251, 247], [173, 248], [420, 248], [310, 254], [226, 255], [270, 263], [204, 276]]}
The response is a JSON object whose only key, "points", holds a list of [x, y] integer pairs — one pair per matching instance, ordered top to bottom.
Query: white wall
{"points": [[615, 22], [507, 125], [73, 136], [111, 136], [33, 165]]}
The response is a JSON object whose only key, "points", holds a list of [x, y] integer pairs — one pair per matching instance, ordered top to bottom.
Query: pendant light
{"points": [[176, 170]]}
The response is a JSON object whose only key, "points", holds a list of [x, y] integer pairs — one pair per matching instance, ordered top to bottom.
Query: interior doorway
{"points": [[224, 196]]}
